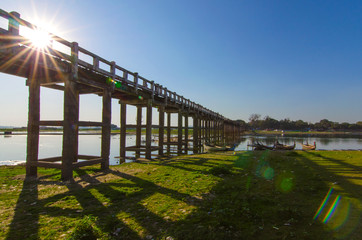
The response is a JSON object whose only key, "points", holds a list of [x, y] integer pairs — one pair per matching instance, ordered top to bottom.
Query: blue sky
{"points": [[296, 59]]}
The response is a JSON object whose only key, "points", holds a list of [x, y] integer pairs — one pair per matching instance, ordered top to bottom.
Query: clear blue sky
{"points": [[296, 59]]}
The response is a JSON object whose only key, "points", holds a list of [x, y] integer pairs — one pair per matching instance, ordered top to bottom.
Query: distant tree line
{"points": [[257, 122]]}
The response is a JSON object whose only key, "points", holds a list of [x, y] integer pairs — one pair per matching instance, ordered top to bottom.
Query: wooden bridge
{"points": [[69, 72]]}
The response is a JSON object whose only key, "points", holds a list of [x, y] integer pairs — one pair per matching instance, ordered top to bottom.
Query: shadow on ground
{"points": [[253, 196]]}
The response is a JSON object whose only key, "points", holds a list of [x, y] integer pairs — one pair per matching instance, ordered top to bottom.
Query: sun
{"points": [[40, 38]]}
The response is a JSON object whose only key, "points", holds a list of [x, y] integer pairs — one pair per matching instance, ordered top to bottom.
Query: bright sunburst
{"points": [[39, 38]]}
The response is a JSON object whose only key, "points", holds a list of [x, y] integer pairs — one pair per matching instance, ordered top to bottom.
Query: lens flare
{"points": [[40, 38], [118, 85], [268, 173], [285, 182], [323, 204], [332, 209]]}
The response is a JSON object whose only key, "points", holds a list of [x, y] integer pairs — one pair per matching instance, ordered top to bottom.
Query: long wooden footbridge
{"points": [[67, 71]]}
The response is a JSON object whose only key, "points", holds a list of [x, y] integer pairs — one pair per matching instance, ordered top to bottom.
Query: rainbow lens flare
{"points": [[118, 85], [323, 204], [332, 209]]}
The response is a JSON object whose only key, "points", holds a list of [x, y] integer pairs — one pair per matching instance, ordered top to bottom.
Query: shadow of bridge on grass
{"points": [[239, 203]]}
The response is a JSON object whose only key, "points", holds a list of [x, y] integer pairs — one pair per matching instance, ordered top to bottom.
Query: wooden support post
{"points": [[13, 25], [71, 118], [33, 124], [70, 128], [106, 128], [123, 129], [148, 129], [161, 129], [138, 130], [202, 130], [215, 130], [208, 131], [219, 131], [168, 132], [223, 132], [234, 132], [186, 133], [195, 134], [199, 134], [179, 135]]}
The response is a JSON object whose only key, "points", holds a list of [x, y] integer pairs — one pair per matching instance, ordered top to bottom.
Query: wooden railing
{"points": [[124, 76]]}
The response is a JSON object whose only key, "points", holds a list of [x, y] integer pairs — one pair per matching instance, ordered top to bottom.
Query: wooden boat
{"points": [[258, 146], [279, 146], [307, 146], [213, 148]]}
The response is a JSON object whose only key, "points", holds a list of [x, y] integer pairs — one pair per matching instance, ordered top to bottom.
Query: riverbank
{"points": [[308, 133], [249, 195]]}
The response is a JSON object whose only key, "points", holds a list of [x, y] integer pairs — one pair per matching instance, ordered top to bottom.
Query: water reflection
{"points": [[323, 143], [13, 148]]}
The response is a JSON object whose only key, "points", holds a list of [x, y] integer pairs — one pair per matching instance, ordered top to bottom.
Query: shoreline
{"points": [[247, 133], [23, 163]]}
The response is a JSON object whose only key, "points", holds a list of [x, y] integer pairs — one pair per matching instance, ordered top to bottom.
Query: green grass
{"points": [[247, 195]]}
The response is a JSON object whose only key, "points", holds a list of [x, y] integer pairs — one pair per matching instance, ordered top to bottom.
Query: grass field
{"points": [[247, 195]]}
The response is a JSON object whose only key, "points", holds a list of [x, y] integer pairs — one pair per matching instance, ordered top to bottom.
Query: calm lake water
{"points": [[13, 148]]}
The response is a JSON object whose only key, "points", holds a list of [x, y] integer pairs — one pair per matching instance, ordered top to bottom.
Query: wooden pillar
{"points": [[13, 25], [71, 118], [33, 124], [70, 128], [106, 128], [123, 129], [148, 129], [161, 129], [233, 129], [138, 130], [203, 130], [208, 130], [214, 130], [220, 131], [168, 132], [223, 132], [186, 133], [199, 133], [195, 134], [179, 135]]}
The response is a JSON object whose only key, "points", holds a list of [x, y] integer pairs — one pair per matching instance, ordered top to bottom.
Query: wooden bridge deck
{"points": [[68, 71]]}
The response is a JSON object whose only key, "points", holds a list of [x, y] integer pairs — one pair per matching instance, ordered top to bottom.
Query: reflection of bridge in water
{"points": [[68, 71]]}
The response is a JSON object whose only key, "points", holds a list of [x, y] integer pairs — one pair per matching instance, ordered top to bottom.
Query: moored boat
{"points": [[258, 146], [279, 146], [307, 146], [213, 148]]}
